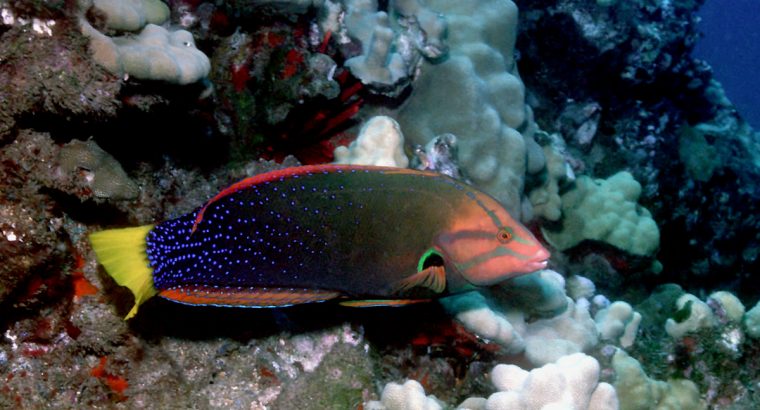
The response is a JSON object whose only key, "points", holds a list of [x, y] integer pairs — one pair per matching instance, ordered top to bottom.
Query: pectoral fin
{"points": [[432, 277]]}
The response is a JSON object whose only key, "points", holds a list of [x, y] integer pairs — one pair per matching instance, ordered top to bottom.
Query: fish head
{"points": [[486, 245]]}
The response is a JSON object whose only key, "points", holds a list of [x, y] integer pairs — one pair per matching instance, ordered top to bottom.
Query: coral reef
{"points": [[123, 15], [154, 53], [390, 58], [377, 67], [48, 73], [280, 90], [478, 97], [654, 101], [380, 142], [612, 143], [441, 154], [100, 171], [545, 198], [606, 211], [35, 243], [696, 315], [752, 321], [618, 323], [563, 326], [91, 357], [570, 382], [637, 391], [410, 395]]}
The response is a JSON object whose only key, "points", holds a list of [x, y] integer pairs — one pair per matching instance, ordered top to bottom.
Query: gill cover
{"points": [[486, 245]]}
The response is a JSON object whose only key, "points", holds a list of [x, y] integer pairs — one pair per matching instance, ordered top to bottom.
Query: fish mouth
{"points": [[540, 260], [536, 265]]}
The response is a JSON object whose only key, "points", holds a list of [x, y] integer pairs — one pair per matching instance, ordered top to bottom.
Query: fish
{"points": [[360, 235]]}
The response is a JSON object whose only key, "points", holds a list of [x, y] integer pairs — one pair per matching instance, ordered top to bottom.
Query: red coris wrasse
{"points": [[366, 236]]}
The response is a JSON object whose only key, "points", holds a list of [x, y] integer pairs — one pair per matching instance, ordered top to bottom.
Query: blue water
{"points": [[731, 44]]}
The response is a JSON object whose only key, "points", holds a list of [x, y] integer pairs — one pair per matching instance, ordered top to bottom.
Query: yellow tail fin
{"points": [[123, 253]]}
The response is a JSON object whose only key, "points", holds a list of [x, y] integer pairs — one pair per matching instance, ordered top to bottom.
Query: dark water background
{"points": [[731, 44]]}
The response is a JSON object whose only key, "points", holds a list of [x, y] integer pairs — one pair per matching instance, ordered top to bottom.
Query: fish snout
{"points": [[539, 260]]}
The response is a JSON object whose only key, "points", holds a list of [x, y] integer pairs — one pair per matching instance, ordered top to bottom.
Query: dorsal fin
{"points": [[296, 172]]}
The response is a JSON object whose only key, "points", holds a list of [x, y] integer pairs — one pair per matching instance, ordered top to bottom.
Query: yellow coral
{"points": [[606, 211]]}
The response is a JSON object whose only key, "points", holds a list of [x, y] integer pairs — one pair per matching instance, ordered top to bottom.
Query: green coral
{"points": [[699, 157], [104, 175], [606, 211], [683, 313], [637, 391]]}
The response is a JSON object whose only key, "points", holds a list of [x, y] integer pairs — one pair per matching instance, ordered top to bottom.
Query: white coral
{"points": [[154, 53], [380, 142], [700, 317], [618, 323], [572, 382], [407, 396]]}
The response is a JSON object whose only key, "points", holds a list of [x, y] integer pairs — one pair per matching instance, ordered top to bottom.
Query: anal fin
{"points": [[245, 296]]}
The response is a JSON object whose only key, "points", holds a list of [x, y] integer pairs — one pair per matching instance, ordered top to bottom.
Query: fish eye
{"points": [[504, 235]]}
